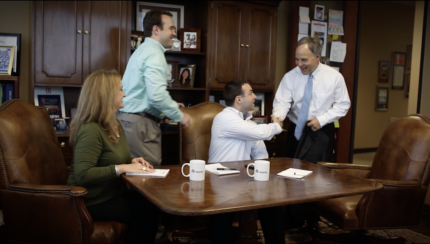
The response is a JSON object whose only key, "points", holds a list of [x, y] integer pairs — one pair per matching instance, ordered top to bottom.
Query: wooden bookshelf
{"points": [[15, 80]]}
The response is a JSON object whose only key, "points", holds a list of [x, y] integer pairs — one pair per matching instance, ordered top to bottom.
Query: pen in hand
{"points": [[226, 169]]}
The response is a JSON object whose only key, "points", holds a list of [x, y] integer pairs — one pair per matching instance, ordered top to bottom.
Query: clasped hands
{"points": [[313, 123], [142, 164]]}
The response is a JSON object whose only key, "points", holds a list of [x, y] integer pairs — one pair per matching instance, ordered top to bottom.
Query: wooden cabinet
{"points": [[74, 38], [243, 43], [276, 146], [66, 148]]}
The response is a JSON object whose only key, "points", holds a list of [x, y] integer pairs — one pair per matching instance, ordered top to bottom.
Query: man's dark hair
{"points": [[152, 18], [232, 90]]}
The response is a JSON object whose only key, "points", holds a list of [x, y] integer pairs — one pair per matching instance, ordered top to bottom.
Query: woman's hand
{"points": [[142, 162], [138, 165]]}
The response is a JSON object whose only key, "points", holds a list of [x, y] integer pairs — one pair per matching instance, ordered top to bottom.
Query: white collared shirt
{"points": [[330, 99], [234, 138]]}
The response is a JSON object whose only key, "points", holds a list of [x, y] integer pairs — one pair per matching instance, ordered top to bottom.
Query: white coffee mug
{"points": [[197, 170], [261, 170], [195, 192]]}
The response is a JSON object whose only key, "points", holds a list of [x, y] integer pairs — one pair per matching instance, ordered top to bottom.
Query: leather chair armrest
{"points": [[344, 166], [357, 170], [397, 183], [75, 191], [397, 204], [46, 213]]}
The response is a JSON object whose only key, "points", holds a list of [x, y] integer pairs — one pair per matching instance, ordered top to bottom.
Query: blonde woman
{"points": [[101, 155]]}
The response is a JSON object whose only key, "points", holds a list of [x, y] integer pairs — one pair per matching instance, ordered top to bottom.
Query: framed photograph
{"points": [[143, 7], [319, 12], [12, 39], [190, 39], [6, 59], [398, 70], [384, 71], [187, 72], [172, 73], [407, 79], [52, 98], [381, 98], [259, 119], [60, 124]]}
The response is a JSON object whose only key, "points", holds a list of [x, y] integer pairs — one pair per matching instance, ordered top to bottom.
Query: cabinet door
{"points": [[106, 24], [226, 39], [57, 43], [259, 58]]}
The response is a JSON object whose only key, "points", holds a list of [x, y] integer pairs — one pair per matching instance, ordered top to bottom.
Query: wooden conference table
{"points": [[177, 195]]}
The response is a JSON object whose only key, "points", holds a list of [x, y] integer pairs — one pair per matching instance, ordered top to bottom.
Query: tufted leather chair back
{"points": [[195, 140], [29, 150], [404, 151]]}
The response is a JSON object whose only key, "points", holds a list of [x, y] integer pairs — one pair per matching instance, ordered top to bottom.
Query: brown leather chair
{"points": [[196, 138], [402, 165], [37, 204]]}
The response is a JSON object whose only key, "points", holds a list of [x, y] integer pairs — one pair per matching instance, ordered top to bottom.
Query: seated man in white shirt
{"points": [[236, 137]]}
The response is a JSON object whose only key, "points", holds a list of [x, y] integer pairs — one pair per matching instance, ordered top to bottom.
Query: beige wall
{"points": [[16, 17], [384, 28], [416, 57]]}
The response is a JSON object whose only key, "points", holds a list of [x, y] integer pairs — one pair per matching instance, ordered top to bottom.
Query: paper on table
{"points": [[304, 15], [338, 52], [212, 168], [161, 173], [295, 173]]}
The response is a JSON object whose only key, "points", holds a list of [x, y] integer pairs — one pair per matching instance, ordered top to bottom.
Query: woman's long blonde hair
{"points": [[96, 103]]}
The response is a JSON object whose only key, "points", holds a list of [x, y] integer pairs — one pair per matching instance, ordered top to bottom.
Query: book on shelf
{"points": [[8, 92], [159, 173], [295, 173]]}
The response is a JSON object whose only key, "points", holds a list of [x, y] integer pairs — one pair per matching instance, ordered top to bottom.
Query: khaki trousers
{"points": [[143, 137]]}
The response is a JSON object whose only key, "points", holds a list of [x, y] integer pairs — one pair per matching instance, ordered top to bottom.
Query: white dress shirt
{"points": [[330, 99], [235, 138]]}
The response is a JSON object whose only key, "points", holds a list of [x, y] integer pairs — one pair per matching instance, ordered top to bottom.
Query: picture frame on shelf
{"points": [[143, 7], [13, 39], [190, 39], [6, 59], [408, 64], [398, 70], [384, 71], [187, 73], [172, 80], [261, 97], [52, 98], [381, 103], [259, 119], [60, 124]]}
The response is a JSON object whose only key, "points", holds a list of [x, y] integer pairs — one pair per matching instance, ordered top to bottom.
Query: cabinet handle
{"points": [[79, 31], [86, 32], [242, 45], [247, 45], [63, 144], [274, 155]]}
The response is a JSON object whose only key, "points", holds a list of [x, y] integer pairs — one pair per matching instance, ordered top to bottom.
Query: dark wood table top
{"points": [[176, 194]]}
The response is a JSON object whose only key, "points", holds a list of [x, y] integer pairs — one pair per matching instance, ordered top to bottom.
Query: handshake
{"points": [[277, 120]]}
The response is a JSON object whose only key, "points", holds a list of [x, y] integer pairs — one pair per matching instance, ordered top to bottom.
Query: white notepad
{"points": [[212, 168], [160, 173], [295, 173]]}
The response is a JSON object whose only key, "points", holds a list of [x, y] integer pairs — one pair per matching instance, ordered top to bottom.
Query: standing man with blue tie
{"points": [[313, 95]]}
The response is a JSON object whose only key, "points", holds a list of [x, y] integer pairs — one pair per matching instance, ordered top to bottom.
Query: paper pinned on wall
{"points": [[304, 15], [335, 22], [303, 28], [319, 32], [301, 36], [338, 52]]}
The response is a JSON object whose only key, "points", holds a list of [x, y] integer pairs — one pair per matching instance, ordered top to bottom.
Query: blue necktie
{"points": [[304, 111]]}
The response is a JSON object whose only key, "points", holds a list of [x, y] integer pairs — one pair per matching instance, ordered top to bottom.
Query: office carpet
{"points": [[304, 236]]}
